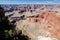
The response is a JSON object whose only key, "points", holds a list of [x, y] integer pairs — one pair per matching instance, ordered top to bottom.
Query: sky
{"points": [[29, 1]]}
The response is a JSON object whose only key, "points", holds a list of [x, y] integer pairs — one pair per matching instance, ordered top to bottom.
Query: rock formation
{"points": [[47, 24]]}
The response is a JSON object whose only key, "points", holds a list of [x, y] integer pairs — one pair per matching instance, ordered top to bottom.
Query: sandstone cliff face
{"points": [[50, 21], [47, 24]]}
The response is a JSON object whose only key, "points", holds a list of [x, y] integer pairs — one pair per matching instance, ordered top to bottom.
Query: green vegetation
{"points": [[7, 29]]}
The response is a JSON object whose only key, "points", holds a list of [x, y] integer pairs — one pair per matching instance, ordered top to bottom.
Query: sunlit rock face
{"points": [[46, 25], [46, 38]]}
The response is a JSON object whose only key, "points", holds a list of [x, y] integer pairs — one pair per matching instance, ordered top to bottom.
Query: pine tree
{"points": [[5, 24], [6, 31]]}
